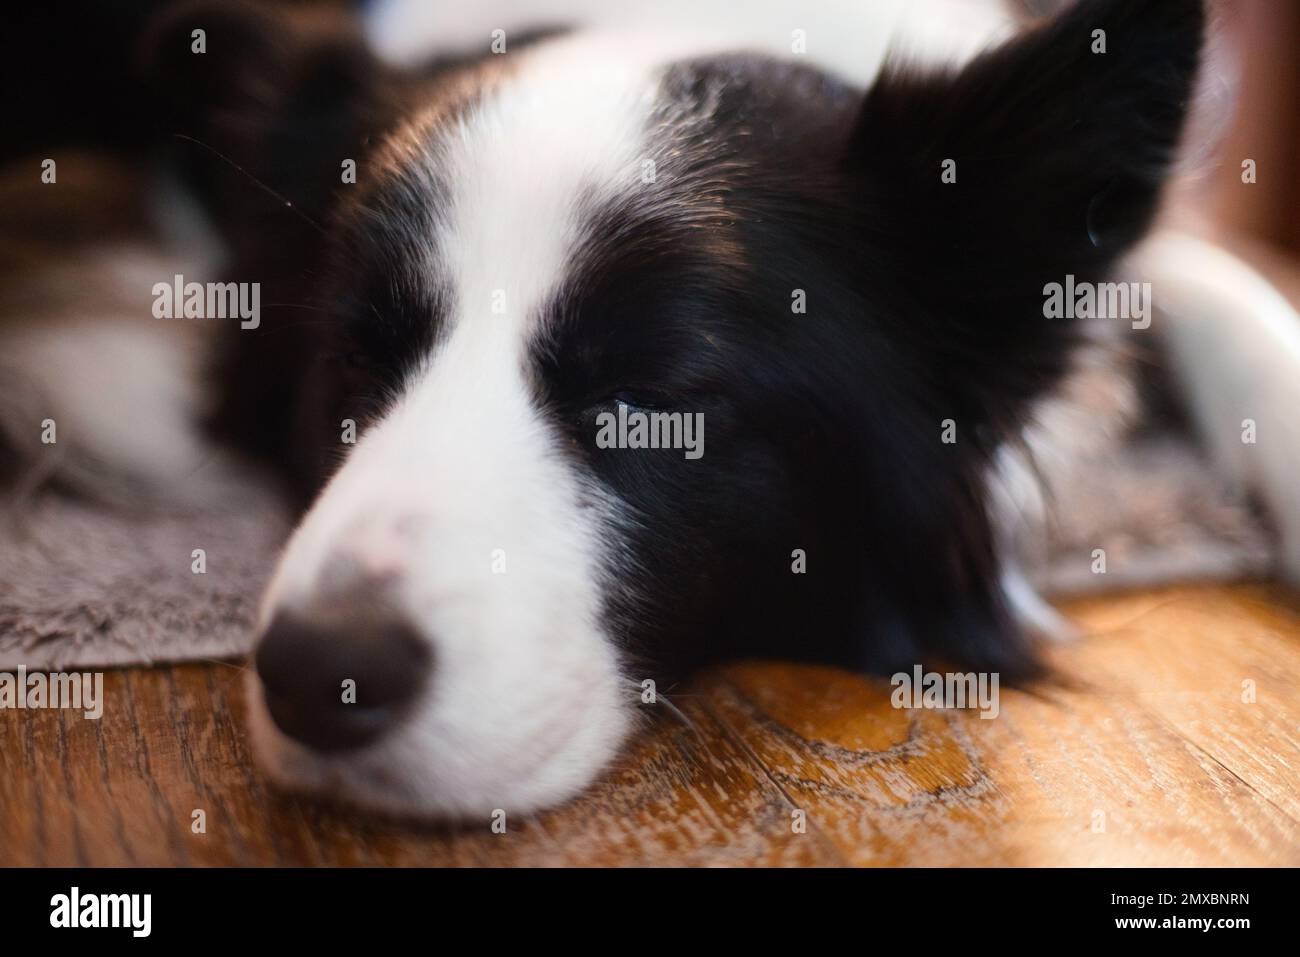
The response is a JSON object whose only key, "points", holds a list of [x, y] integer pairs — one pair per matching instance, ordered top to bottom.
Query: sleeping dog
{"points": [[495, 287]]}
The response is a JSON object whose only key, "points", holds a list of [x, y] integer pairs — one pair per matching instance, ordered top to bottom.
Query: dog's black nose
{"points": [[340, 685]]}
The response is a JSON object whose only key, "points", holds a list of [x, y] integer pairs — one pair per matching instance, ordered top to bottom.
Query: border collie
{"points": [[832, 264]]}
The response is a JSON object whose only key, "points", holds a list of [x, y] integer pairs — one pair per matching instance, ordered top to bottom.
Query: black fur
{"points": [[924, 304], [823, 431]]}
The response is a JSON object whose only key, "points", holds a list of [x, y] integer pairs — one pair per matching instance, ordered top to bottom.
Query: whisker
{"points": [[226, 159], [234, 666], [678, 713]]}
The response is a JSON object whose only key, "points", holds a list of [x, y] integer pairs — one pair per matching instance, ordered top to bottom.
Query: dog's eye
{"points": [[636, 400], [639, 400]]}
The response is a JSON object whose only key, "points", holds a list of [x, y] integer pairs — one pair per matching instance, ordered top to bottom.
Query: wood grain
{"points": [[1142, 750]]}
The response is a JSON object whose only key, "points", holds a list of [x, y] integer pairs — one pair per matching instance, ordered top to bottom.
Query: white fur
{"points": [[848, 37], [1235, 343], [123, 389], [1086, 416], [527, 702]]}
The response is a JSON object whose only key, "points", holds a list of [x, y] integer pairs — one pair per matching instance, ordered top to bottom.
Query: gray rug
{"points": [[85, 586]]}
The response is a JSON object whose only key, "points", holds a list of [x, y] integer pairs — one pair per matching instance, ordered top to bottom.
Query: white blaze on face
{"points": [[460, 502]]}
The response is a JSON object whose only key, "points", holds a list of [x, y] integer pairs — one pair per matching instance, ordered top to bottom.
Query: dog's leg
{"points": [[1234, 345], [95, 393]]}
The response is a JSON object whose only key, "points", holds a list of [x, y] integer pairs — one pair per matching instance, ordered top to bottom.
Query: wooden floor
{"points": [[1148, 755]]}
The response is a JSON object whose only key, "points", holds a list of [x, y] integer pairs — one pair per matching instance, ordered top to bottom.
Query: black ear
{"points": [[263, 105], [260, 110], [1054, 152]]}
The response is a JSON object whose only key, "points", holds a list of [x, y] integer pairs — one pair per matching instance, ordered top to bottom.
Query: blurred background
{"points": [[46, 48], [1259, 64]]}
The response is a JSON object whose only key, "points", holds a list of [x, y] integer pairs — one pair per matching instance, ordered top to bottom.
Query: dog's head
{"points": [[827, 303]]}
